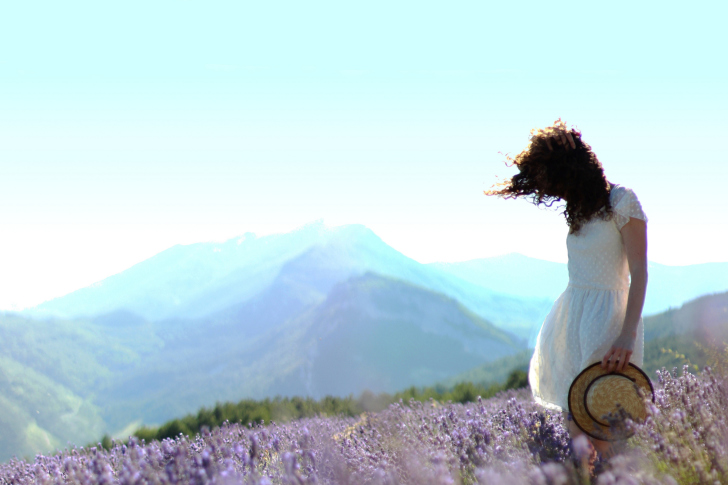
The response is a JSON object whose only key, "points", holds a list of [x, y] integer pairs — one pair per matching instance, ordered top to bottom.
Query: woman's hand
{"points": [[560, 133], [562, 138], [618, 356]]}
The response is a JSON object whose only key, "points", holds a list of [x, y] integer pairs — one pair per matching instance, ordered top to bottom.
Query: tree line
{"points": [[252, 412]]}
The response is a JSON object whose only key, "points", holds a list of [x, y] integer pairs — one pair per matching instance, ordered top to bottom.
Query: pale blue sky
{"points": [[126, 128]]}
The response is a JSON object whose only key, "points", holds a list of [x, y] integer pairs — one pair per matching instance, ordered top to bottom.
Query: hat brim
{"points": [[594, 426]]}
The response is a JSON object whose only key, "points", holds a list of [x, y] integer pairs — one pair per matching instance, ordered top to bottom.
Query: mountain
{"points": [[512, 274], [515, 274], [188, 280], [199, 280], [672, 286], [704, 320], [369, 332], [382, 334], [687, 335], [670, 341], [51, 372], [493, 372], [73, 380], [40, 415]]}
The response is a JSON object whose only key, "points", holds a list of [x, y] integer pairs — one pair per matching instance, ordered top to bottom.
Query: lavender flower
{"points": [[504, 440]]}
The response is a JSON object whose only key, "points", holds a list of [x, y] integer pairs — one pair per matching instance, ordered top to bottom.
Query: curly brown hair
{"points": [[550, 170]]}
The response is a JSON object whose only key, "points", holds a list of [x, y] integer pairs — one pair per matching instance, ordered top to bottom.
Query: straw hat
{"points": [[596, 393]]}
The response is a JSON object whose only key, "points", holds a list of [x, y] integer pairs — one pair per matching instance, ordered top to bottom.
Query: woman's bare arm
{"points": [[634, 236]]}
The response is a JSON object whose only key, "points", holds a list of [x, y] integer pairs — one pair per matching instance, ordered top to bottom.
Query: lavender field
{"points": [[507, 439]]}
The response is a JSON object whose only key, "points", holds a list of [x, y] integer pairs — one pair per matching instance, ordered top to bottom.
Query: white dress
{"points": [[587, 318]]}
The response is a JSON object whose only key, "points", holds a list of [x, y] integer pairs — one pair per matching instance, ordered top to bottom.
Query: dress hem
{"points": [[548, 405]]}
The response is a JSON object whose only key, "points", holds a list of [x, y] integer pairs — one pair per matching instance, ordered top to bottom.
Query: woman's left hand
{"points": [[618, 356]]}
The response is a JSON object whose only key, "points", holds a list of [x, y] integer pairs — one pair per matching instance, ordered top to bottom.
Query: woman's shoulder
{"points": [[618, 192], [625, 202]]}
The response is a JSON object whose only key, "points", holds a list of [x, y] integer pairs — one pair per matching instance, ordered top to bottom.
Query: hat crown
{"points": [[597, 392], [606, 394]]}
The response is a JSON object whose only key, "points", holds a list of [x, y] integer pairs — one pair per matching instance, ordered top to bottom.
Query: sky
{"points": [[129, 127]]}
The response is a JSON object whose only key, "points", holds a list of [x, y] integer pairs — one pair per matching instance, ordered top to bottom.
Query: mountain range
{"points": [[515, 274], [201, 279], [319, 311]]}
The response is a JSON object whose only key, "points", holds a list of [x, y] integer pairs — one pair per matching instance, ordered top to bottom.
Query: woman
{"points": [[598, 317]]}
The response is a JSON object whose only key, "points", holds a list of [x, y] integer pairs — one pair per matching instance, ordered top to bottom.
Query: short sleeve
{"points": [[625, 205]]}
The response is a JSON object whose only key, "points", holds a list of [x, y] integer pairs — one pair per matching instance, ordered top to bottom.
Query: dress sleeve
{"points": [[627, 205]]}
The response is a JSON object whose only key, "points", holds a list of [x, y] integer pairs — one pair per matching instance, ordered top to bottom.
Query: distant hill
{"points": [[512, 274], [515, 274], [190, 280], [200, 280], [672, 286], [704, 319], [370, 332], [682, 335], [416, 337], [670, 341], [494, 372], [50, 374], [39, 414]]}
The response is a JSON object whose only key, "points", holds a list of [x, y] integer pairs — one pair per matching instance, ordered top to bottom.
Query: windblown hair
{"points": [[549, 172]]}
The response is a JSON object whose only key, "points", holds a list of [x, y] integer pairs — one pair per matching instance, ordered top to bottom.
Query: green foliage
{"points": [[673, 351], [717, 357], [496, 371], [50, 372], [517, 379], [462, 392], [282, 409], [38, 413], [106, 442]]}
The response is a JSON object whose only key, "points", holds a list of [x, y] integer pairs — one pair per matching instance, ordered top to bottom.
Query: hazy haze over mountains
{"points": [[515, 274], [200, 279], [369, 332]]}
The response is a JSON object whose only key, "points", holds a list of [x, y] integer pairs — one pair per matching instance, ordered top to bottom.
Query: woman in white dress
{"points": [[598, 316]]}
